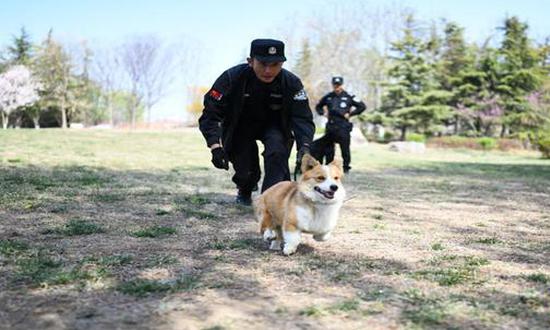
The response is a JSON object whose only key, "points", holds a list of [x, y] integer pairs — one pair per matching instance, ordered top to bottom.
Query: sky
{"points": [[222, 30]]}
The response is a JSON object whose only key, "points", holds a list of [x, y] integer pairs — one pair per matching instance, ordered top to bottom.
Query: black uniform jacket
{"points": [[339, 105], [223, 106]]}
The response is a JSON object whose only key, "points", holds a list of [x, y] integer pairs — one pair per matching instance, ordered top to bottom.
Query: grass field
{"points": [[136, 230]]}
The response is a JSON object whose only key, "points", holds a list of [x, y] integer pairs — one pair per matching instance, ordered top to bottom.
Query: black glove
{"points": [[303, 150], [218, 158], [298, 169]]}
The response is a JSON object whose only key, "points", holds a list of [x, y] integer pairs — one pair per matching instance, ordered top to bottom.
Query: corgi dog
{"points": [[310, 205]]}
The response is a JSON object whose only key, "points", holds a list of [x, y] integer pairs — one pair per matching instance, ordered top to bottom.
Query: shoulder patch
{"points": [[215, 94], [300, 96], [356, 99]]}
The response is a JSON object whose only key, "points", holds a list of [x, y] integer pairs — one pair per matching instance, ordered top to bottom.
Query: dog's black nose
{"points": [[333, 187]]}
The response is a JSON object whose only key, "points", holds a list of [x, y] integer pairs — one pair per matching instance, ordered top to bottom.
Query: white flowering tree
{"points": [[17, 88]]}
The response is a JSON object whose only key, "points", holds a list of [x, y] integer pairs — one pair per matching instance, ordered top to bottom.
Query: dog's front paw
{"points": [[269, 235], [322, 237], [289, 249]]}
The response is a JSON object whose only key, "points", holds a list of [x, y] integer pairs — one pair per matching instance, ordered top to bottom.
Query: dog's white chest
{"points": [[318, 219]]}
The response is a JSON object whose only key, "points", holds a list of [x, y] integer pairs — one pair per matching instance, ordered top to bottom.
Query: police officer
{"points": [[258, 100], [337, 106]]}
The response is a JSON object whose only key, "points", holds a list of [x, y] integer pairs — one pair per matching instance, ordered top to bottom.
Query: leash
{"points": [[296, 171]]}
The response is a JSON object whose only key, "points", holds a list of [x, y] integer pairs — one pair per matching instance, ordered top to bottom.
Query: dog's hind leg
{"points": [[264, 218], [266, 227]]}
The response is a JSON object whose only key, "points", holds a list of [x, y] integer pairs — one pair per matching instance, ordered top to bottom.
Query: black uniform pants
{"points": [[323, 148], [246, 162]]}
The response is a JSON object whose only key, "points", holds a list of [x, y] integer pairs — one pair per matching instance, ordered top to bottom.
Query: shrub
{"points": [[388, 137], [413, 137], [453, 142], [484, 143], [487, 143], [510, 144], [543, 144]]}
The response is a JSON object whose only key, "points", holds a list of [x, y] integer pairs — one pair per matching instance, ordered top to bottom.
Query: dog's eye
{"points": [[321, 178], [336, 178]]}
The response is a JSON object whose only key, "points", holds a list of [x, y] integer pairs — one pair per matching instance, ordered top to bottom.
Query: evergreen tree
{"points": [[20, 52], [53, 68], [455, 69], [521, 74], [414, 100]]}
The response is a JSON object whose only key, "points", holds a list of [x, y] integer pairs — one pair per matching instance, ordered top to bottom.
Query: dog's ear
{"points": [[308, 162], [338, 163]]}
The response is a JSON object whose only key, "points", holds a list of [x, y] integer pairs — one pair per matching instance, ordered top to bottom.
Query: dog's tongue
{"points": [[326, 193], [329, 194]]}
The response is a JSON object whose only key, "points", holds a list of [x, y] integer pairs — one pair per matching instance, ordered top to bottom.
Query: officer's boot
{"points": [[244, 197]]}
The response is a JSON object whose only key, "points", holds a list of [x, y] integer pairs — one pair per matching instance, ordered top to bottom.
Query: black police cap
{"points": [[268, 50], [337, 80]]}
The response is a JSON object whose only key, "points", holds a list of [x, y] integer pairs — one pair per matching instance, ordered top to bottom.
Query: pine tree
{"points": [[20, 52], [456, 64], [54, 70], [521, 74], [414, 100]]}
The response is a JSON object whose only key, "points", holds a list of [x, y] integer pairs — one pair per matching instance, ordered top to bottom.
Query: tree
{"points": [[21, 50], [53, 68], [150, 68], [106, 71], [455, 71], [520, 76], [17, 88], [196, 96], [413, 99]]}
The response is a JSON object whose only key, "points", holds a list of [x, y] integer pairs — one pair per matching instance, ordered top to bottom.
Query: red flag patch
{"points": [[216, 95]]}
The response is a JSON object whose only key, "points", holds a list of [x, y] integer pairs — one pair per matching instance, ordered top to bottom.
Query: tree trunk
{"points": [[111, 114], [63, 115], [133, 115], [4, 120], [36, 122], [504, 131], [403, 133]]}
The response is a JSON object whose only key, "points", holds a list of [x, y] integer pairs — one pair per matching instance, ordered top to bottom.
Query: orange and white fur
{"points": [[310, 205]]}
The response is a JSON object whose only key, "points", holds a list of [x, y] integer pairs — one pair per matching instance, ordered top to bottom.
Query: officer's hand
{"points": [[346, 115], [304, 150], [218, 158]]}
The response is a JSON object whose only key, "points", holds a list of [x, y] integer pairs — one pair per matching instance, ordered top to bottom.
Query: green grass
{"points": [[77, 227], [155, 232], [237, 244], [10, 247], [437, 247], [116, 260], [160, 260], [38, 267], [450, 270], [538, 278], [142, 287], [346, 306], [342, 307], [422, 310], [312, 311]]}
